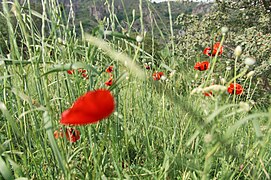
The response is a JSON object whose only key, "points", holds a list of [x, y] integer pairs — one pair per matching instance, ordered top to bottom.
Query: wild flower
{"points": [[208, 51], [202, 66], [109, 69], [70, 71], [83, 72], [157, 75], [109, 82], [235, 87], [210, 93], [89, 108], [71, 134]]}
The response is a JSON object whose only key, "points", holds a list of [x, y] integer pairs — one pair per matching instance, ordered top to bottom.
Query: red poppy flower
{"points": [[216, 48], [207, 51], [202, 66], [109, 69], [70, 71], [83, 72], [157, 75], [109, 82], [237, 87], [208, 93], [89, 108], [72, 134]]}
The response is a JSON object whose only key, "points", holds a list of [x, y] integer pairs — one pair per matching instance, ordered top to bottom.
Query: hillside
{"points": [[90, 13]]}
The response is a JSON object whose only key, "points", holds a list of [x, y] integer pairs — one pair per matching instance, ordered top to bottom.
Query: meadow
{"points": [[197, 108]]}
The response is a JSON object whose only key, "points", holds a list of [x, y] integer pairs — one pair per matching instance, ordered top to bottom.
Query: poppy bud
{"points": [[224, 30], [139, 38], [238, 51], [250, 61], [228, 68], [250, 74], [222, 80]]}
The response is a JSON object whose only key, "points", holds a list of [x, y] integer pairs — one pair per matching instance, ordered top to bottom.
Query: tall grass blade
{"points": [[48, 128], [4, 170]]}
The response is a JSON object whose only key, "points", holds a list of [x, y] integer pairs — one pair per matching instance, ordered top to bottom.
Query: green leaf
{"points": [[121, 36], [218, 111], [9, 118], [239, 123], [48, 128], [17, 169], [4, 170]]}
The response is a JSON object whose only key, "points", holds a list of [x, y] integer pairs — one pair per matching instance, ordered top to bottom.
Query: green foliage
{"points": [[245, 14], [248, 27], [3, 34]]}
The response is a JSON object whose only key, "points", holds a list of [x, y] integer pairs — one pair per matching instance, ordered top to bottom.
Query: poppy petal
{"points": [[215, 49], [207, 51], [202, 66], [109, 69], [70, 71], [157, 75], [109, 82], [237, 87], [208, 93], [89, 108], [72, 134]]}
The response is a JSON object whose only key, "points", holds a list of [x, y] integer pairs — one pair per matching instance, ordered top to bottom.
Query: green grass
{"points": [[158, 130]]}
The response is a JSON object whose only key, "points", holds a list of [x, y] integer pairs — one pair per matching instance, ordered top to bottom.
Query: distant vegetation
{"points": [[123, 12]]}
